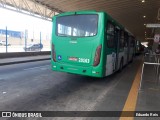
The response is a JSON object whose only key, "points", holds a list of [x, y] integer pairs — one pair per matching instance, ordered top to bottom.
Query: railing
{"points": [[151, 59]]}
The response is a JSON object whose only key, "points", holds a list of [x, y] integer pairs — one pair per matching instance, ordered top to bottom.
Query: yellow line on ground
{"points": [[131, 101]]}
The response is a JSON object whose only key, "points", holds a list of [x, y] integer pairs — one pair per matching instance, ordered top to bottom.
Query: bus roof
{"points": [[76, 12]]}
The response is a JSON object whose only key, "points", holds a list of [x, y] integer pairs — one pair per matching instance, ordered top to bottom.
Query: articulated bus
{"points": [[90, 43]]}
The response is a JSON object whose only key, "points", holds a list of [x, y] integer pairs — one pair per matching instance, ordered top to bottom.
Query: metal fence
{"points": [[23, 41], [153, 60]]}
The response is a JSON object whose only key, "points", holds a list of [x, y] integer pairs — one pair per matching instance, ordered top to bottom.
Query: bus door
{"points": [[117, 39], [126, 47], [129, 48], [111, 49]]}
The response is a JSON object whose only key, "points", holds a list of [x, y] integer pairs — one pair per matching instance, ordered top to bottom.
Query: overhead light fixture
{"points": [[143, 1], [144, 16]]}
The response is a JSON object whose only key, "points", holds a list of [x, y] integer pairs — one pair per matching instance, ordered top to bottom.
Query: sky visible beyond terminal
{"points": [[19, 22]]}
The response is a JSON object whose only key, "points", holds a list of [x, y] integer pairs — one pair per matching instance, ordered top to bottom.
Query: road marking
{"points": [[39, 67], [4, 92], [131, 101]]}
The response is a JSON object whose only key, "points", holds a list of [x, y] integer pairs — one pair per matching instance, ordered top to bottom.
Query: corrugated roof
{"points": [[127, 12]]}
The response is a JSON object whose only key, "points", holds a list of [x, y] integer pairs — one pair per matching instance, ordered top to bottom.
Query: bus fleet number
{"points": [[83, 60]]}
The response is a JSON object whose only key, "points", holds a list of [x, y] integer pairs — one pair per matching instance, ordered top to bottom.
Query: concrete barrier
{"points": [[23, 54]]}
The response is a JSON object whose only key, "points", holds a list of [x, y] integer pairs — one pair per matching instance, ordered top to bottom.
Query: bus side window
{"points": [[110, 35], [126, 39], [110, 41], [131, 41], [122, 43]]}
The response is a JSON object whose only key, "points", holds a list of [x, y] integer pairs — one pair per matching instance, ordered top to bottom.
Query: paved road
{"points": [[35, 87]]}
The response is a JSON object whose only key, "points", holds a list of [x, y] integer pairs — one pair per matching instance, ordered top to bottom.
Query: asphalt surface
{"points": [[34, 86]]}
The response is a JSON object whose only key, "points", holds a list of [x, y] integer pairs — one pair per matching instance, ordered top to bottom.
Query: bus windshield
{"points": [[77, 25]]}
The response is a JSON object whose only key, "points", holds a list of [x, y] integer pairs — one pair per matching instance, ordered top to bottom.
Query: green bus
{"points": [[89, 43]]}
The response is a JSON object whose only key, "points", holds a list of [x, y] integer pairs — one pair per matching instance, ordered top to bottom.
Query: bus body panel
{"points": [[76, 54], [114, 54], [110, 63]]}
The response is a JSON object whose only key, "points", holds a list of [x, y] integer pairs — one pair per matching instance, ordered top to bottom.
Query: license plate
{"points": [[73, 59]]}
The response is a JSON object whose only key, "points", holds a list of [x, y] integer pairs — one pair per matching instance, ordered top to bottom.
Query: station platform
{"points": [[16, 60], [149, 90], [114, 93]]}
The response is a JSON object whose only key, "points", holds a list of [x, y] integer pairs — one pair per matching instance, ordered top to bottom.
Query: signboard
{"points": [[153, 25], [157, 38]]}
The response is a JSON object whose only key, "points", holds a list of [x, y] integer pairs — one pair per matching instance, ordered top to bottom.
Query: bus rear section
{"points": [[77, 45]]}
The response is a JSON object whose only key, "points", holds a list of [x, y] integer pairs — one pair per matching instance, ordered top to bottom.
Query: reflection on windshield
{"points": [[77, 25]]}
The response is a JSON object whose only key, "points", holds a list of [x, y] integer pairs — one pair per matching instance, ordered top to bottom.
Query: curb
{"points": [[17, 62]]}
